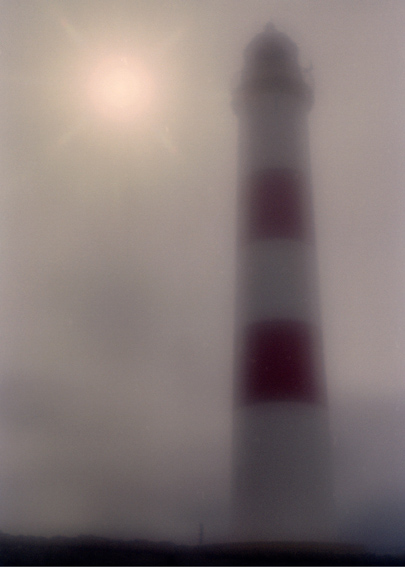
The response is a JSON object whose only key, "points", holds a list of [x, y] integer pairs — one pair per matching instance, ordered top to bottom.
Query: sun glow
{"points": [[117, 88], [120, 89]]}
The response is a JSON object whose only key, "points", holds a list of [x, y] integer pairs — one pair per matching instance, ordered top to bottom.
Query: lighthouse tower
{"points": [[282, 481]]}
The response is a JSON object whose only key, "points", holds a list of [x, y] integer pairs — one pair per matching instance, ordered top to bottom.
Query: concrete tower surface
{"points": [[282, 475]]}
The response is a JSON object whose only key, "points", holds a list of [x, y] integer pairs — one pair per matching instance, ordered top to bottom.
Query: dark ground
{"points": [[89, 550]]}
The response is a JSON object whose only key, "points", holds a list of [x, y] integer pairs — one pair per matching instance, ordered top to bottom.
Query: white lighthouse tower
{"points": [[282, 476]]}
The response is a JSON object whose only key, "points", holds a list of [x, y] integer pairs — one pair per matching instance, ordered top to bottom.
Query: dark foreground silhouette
{"points": [[89, 550]]}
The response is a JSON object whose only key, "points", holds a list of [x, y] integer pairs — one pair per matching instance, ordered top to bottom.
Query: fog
{"points": [[118, 260]]}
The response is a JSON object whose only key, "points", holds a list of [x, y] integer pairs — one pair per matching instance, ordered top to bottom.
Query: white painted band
{"points": [[274, 133], [278, 281], [283, 484]]}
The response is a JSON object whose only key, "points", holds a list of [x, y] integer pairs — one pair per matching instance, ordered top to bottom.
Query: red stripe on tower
{"points": [[276, 206], [280, 363]]}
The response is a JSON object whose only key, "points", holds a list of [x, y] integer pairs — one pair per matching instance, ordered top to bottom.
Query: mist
{"points": [[119, 259]]}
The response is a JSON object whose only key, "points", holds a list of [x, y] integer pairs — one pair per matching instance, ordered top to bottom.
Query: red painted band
{"points": [[277, 206], [280, 363]]}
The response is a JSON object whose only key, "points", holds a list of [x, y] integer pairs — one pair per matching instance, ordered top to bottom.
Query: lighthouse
{"points": [[282, 487]]}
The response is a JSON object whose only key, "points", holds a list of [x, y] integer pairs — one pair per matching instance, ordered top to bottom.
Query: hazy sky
{"points": [[118, 255]]}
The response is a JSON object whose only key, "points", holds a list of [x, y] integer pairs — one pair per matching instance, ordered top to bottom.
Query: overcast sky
{"points": [[118, 257]]}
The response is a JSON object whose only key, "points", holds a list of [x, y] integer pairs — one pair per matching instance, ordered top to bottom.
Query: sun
{"points": [[112, 88], [120, 89]]}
